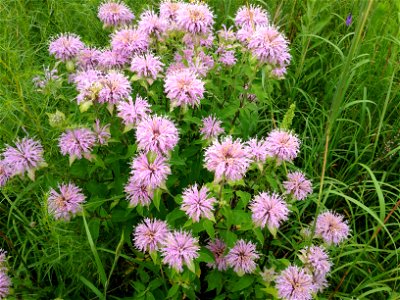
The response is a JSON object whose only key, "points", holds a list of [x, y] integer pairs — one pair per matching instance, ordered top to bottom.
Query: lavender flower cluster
{"points": [[103, 77], [5, 281]]}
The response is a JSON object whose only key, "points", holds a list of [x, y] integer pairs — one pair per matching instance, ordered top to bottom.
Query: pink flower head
{"points": [[168, 10], [115, 13], [251, 16], [195, 18], [152, 25], [226, 34], [244, 34], [204, 40], [129, 41], [66, 46], [270, 46], [227, 57], [88, 58], [112, 59], [199, 64], [146, 66], [279, 72], [88, 83], [116, 87], [184, 88], [132, 113], [211, 127], [102, 133], [157, 134], [77, 142], [282, 145], [257, 149], [26, 156], [227, 158], [5, 173], [150, 173], [298, 185], [138, 194], [67, 203], [196, 203], [269, 210], [331, 228], [149, 235], [179, 248], [218, 248], [242, 257], [3, 260], [316, 260], [319, 282], [295, 283], [5, 284]]}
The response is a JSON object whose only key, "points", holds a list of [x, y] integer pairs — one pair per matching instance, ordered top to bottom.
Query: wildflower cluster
{"points": [[168, 139]]}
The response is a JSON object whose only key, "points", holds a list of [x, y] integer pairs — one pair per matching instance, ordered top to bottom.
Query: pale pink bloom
{"points": [[168, 10], [115, 13], [251, 16], [195, 18], [152, 25], [226, 34], [244, 34], [204, 40], [129, 41], [66, 46], [270, 46], [227, 57], [88, 58], [112, 59], [199, 64], [146, 65], [279, 72], [88, 83], [115, 87], [184, 88], [133, 112], [211, 127], [102, 132], [157, 134], [77, 143], [282, 145], [257, 149], [25, 157], [228, 159], [5, 173], [150, 173], [298, 185], [138, 194], [67, 203], [197, 203], [269, 210], [331, 227], [149, 235], [179, 248], [218, 248], [242, 257], [3, 260], [316, 260], [295, 283], [320, 283], [5, 284]]}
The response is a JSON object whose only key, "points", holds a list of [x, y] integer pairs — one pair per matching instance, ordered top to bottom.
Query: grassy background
{"points": [[344, 81]]}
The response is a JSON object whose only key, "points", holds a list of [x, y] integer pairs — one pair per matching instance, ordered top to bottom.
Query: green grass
{"points": [[344, 81]]}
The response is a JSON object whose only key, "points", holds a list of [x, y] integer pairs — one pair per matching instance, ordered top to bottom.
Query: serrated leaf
{"points": [[157, 198], [209, 227], [241, 284], [173, 291]]}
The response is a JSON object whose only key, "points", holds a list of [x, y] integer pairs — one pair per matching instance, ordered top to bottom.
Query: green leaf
{"points": [[288, 118], [157, 198], [244, 199], [94, 227], [209, 227], [259, 235], [214, 281], [241, 284], [92, 287], [173, 291]]}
